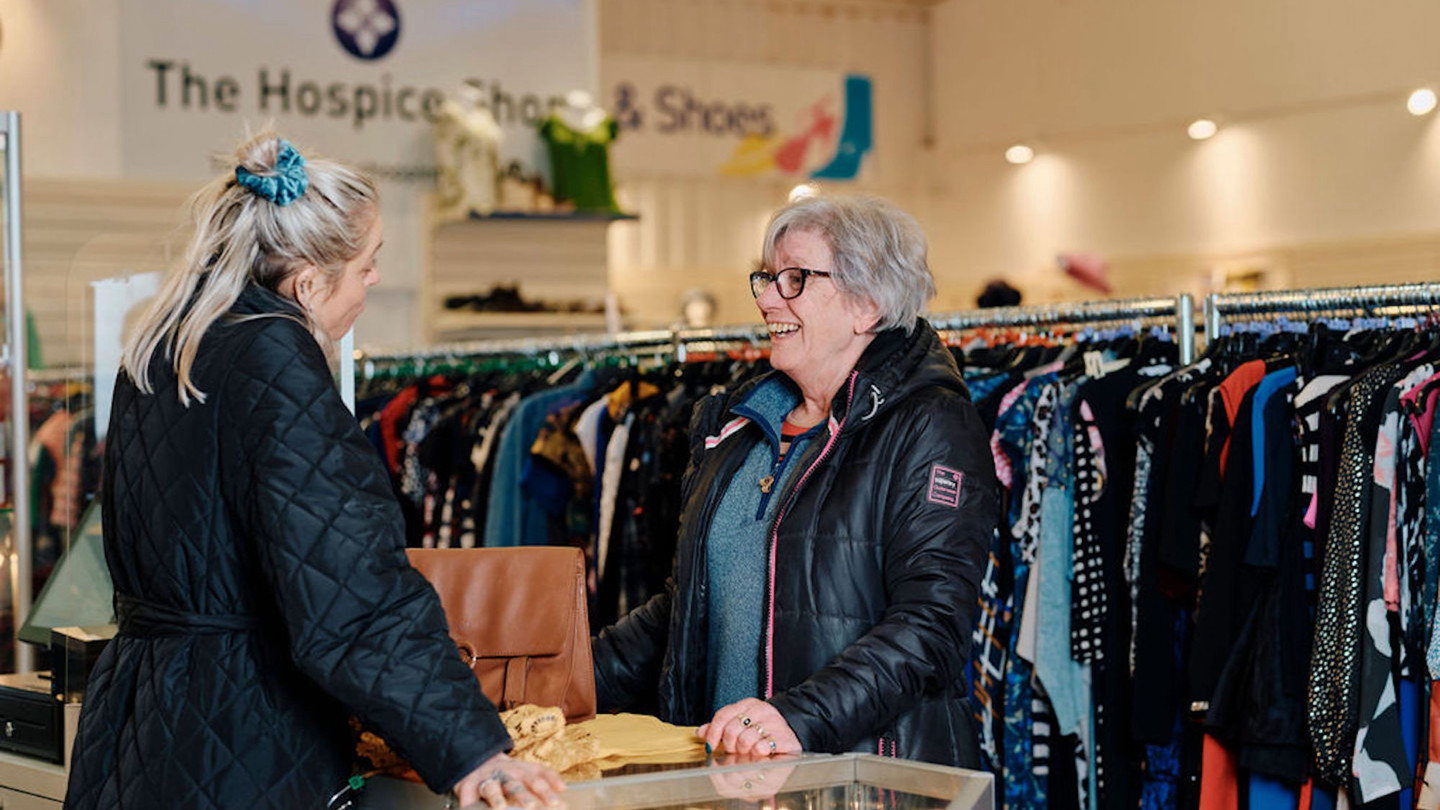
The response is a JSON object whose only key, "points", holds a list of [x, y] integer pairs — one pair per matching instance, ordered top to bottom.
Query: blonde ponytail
{"points": [[242, 236]]}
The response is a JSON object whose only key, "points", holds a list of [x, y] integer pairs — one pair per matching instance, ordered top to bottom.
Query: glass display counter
{"points": [[810, 782]]}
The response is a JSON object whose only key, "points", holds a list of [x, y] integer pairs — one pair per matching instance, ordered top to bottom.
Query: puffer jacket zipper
{"points": [[768, 625], [888, 745]]}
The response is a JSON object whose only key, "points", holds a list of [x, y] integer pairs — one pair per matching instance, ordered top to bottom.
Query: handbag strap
{"points": [[516, 670]]}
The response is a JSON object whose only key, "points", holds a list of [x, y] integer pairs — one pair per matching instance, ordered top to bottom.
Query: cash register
{"points": [[74, 618]]}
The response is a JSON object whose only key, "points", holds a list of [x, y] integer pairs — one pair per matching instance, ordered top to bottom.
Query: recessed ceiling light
{"points": [[1421, 101], [1202, 128], [1019, 154], [803, 191]]}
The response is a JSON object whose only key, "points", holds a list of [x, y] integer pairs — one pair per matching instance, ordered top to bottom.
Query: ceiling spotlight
{"points": [[1421, 101], [1202, 128], [1019, 154], [802, 192]]}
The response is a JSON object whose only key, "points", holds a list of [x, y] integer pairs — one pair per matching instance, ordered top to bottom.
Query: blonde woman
{"points": [[262, 589]]}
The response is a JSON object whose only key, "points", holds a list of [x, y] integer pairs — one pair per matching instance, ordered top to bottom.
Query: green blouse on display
{"points": [[580, 163]]}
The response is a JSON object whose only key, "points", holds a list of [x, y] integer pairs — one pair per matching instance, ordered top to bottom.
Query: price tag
{"points": [[1094, 365]]}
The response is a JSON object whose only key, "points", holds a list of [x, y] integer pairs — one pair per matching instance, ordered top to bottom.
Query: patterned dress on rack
{"points": [[1090, 604], [993, 627], [1335, 672], [1065, 680], [1381, 767], [1025, 785]]}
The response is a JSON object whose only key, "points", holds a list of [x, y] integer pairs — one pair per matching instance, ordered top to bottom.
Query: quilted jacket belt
{"points": [[141, 618]]}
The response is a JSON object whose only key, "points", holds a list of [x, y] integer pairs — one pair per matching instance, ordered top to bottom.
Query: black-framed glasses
{"points": [[791, 281]]}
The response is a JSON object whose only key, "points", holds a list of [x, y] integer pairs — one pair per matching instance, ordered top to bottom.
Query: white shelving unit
{"points": [[550, 258]]}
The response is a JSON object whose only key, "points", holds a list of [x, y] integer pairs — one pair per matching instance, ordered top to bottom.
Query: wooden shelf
{"points": [[555, 216], [457, 325]]}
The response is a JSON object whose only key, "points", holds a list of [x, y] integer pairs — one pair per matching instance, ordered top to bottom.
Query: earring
{"points": [[303, 294]]}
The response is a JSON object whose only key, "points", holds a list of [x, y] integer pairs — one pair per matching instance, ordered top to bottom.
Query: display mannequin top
{"points": [[467, 112], [579, 112]]}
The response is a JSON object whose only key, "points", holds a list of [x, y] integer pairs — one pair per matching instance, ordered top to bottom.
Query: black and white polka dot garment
{"points": [[1087, 604], [1334, 695]]}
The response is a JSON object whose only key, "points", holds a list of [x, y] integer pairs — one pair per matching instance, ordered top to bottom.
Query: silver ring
{"points": [[772, 745], [494, 777]]}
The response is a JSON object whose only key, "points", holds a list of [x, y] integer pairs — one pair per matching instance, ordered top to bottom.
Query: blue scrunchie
{"points": [[287, 183]]}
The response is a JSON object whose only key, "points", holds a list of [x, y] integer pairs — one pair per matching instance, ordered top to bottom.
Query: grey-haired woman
{"points": [[837, 516], [262, 588]]}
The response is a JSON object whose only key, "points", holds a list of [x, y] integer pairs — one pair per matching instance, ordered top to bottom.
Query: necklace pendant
{"points": [[766, 483]]}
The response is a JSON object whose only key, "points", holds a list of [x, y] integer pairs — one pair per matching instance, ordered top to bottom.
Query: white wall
{"points": [[57, 66], [1316, 149], [1317, 172]]}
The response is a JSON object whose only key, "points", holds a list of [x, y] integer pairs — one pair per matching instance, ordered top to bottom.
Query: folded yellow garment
{"points": [[541, 735], [626, 739], [578, 752]]}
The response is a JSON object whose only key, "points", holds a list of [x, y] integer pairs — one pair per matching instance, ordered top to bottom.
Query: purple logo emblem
{"points": [[366, 29]]}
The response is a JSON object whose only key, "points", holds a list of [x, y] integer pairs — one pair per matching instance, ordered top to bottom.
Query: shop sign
{"points": [[358, 79], [731, 119]]}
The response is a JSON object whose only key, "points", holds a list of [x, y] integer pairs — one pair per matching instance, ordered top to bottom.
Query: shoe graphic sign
{"points": [[693, 119], [790, 152]]}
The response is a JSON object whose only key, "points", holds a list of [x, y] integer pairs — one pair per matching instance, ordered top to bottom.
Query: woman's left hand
{"points": [[751, 728]]}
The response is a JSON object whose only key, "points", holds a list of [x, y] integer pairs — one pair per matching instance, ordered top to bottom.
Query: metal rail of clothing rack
{"points": [[1219, 306], [1180, 308], [572, 344], [50, 376]]}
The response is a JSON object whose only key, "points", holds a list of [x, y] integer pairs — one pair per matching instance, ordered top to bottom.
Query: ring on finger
{"points": [[745, 721], [761, 731], [772, 744], [494, 777]]}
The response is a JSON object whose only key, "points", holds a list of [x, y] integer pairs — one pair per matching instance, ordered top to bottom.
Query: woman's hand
{"points": [[750, 728], [504, 782]]}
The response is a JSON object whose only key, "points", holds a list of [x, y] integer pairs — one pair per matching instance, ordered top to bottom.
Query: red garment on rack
{"points": [[1232, 392], [1219, 776]]}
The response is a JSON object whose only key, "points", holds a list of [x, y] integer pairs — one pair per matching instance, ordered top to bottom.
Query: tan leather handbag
{"points": [[520, 618]]}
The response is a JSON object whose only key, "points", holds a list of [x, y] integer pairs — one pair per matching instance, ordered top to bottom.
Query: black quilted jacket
{"points": [[875, 560], [263, 594]]}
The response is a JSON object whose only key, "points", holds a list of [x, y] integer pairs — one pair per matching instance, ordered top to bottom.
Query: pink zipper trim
{"points": [[835, 428]]}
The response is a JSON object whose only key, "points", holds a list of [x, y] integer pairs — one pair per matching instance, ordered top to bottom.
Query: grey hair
{"points": [[241, 238], [879, 251]]}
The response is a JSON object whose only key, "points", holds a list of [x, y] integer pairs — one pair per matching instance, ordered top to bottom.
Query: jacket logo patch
{"points": [[876, 400], [945, 485]]}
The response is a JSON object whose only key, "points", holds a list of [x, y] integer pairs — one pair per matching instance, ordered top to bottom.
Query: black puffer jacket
{"points": [[877, 553], [263, 594]]}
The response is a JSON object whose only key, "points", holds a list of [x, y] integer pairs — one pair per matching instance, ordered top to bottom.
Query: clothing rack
{"points": [[1369, 298], [1180, 308], [660, 340], [534, 347], [66, 374]]}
